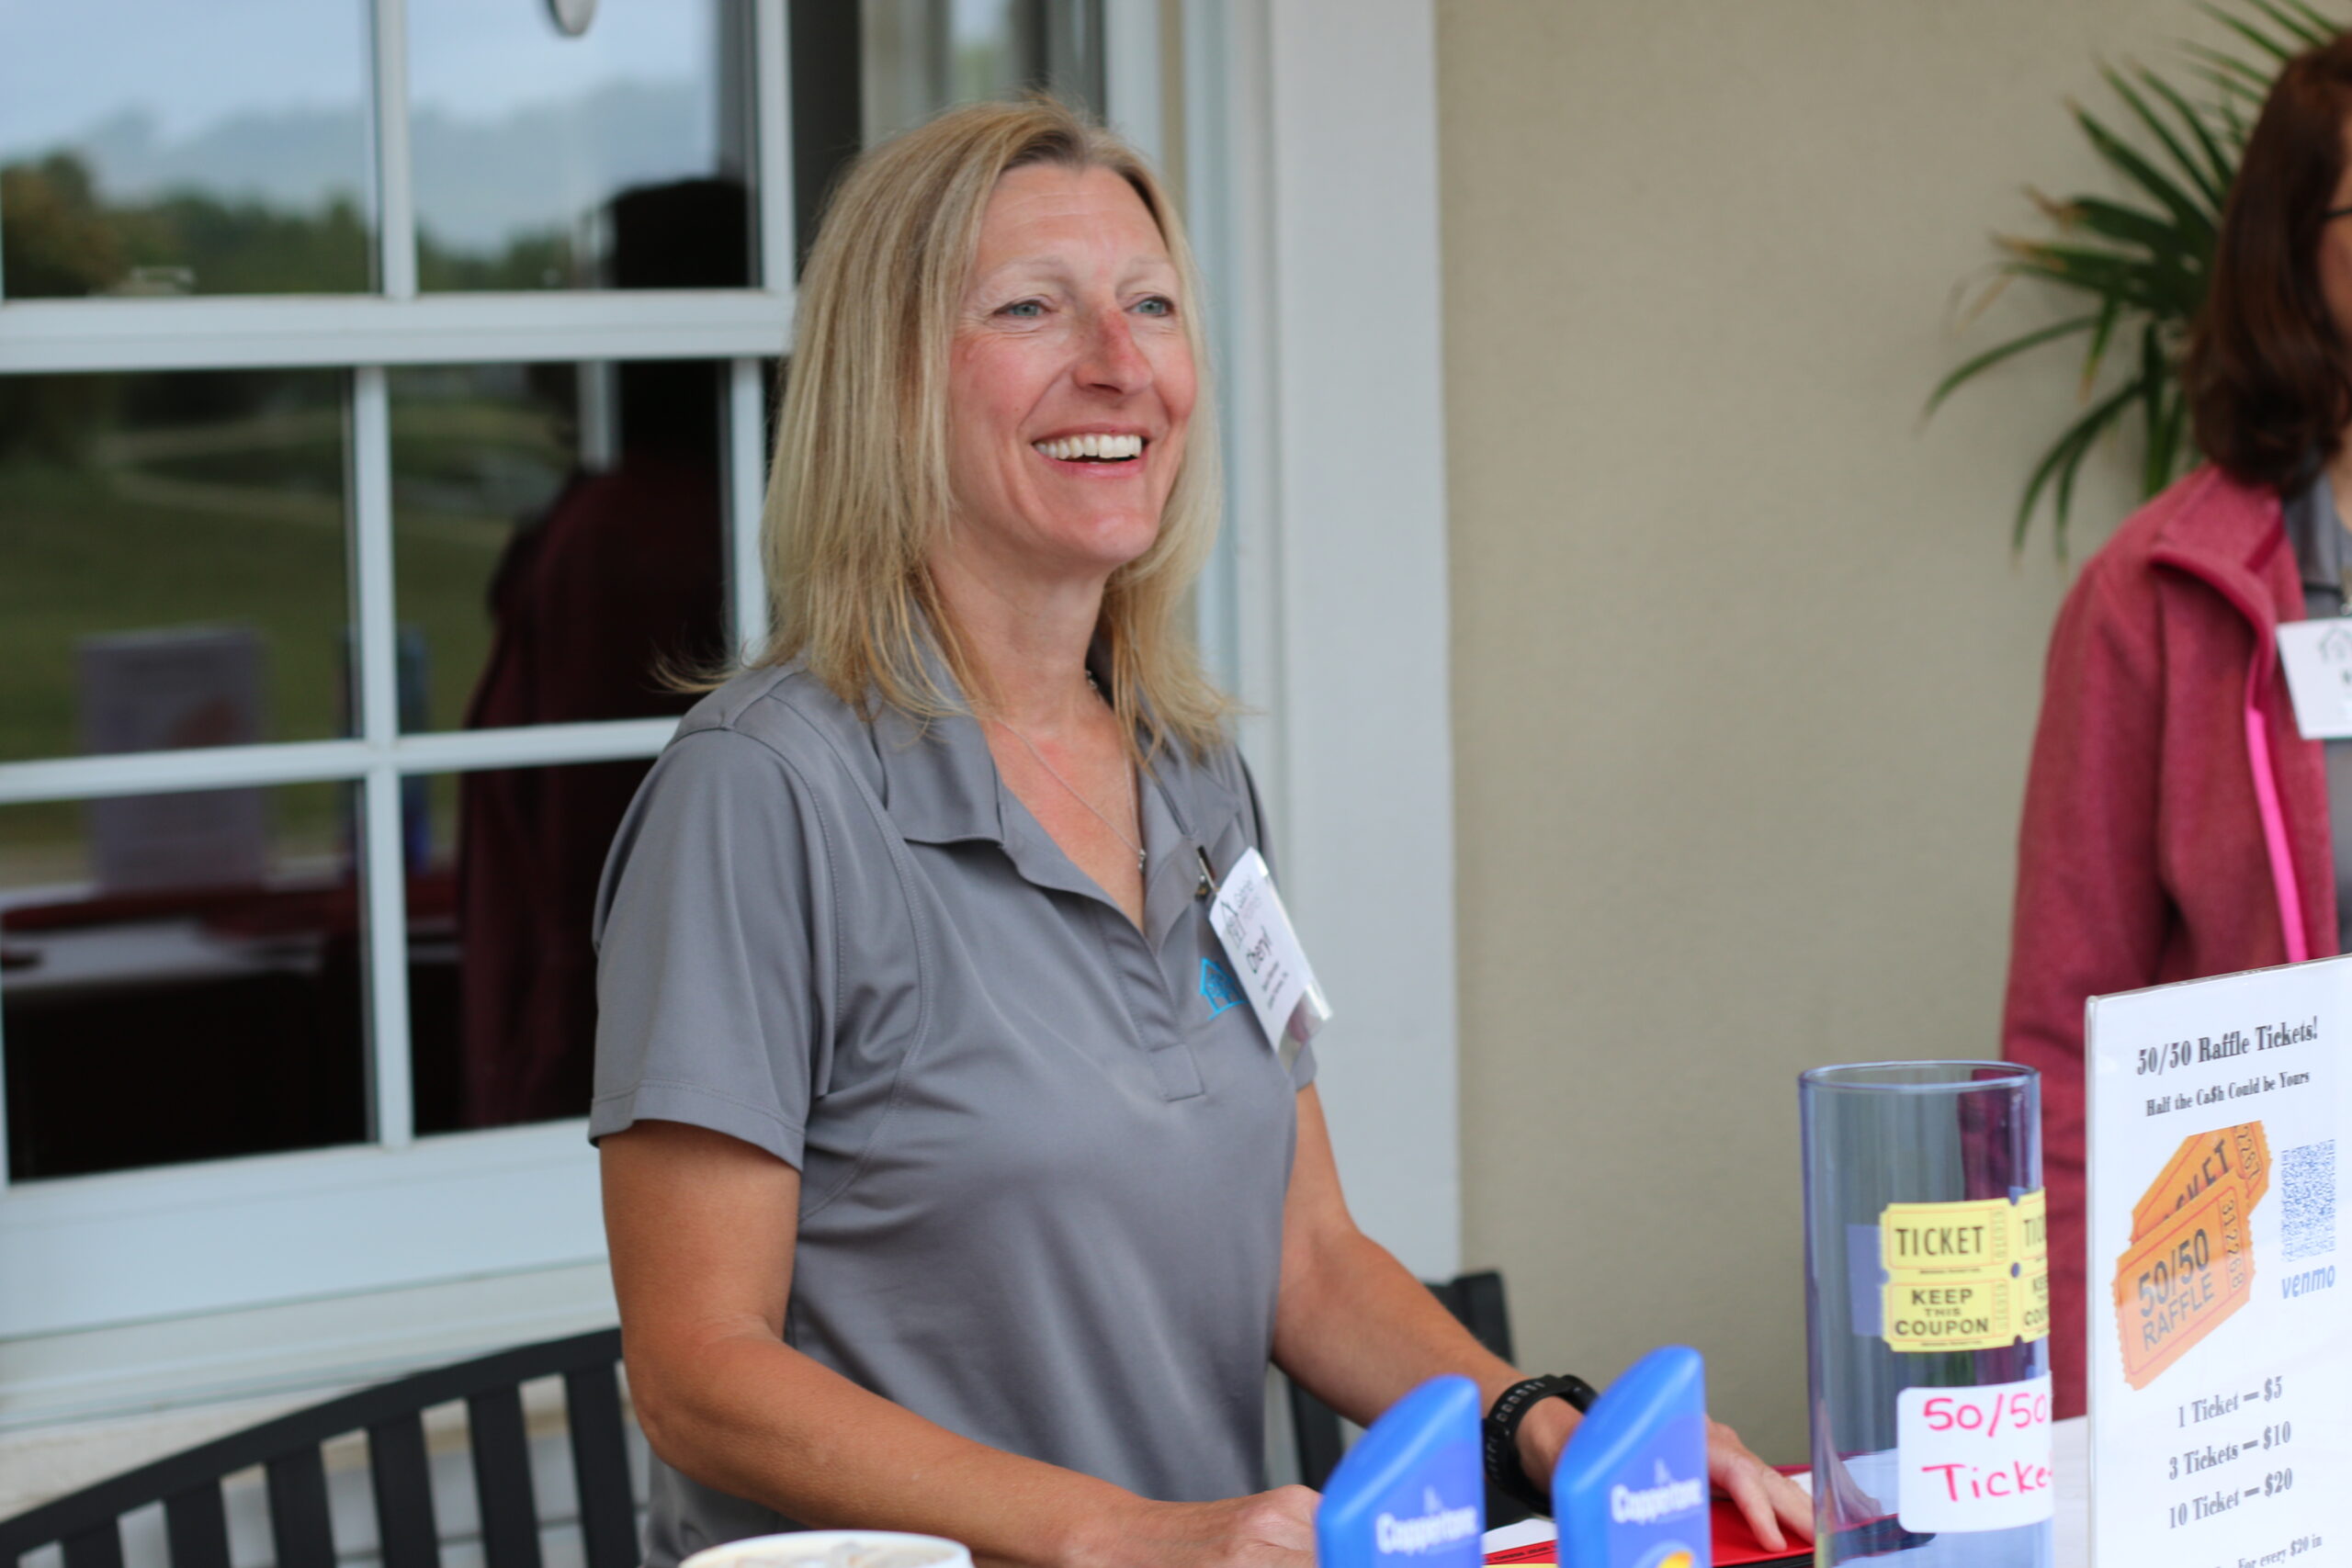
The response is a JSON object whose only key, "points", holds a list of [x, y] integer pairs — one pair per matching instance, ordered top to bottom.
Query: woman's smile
{"points": [[1071, 381]]}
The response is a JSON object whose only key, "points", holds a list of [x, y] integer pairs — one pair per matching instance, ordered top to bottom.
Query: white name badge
{"points": [[2318, 656], [1263, 949]]}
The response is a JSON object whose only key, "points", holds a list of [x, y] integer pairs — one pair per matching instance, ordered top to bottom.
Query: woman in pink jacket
{"points": [[2177, 823]]}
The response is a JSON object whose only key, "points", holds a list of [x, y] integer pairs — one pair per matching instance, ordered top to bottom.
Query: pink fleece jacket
{"points": [[2176, 822]]}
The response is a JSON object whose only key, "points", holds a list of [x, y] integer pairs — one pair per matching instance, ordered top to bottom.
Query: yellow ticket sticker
{"points": [[2031, 1218], [1975, 1234], [1970, 1275], [2034, 1298], [1960, 1312]]}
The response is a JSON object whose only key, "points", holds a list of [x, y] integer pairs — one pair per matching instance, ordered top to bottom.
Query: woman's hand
{"points": [[1769, 1501], [1774, 1507], [1269, 1529]]}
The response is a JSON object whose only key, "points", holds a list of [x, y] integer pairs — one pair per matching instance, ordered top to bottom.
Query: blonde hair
{"points": [[859, 489]]}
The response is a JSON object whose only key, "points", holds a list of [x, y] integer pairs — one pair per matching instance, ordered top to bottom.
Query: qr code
{"points": [[2307, 1177]]}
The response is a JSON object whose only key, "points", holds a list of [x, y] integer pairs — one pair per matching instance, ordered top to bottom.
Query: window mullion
{"points": [[1131, 86], [772, 106], [395, 185], [746, 497], [384, 877], [4, 1096]]}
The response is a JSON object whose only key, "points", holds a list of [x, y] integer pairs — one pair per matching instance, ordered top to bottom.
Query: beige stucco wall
{"points": [[1743, 672]]}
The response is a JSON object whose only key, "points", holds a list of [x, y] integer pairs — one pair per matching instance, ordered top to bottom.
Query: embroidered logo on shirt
{"points": [[1218, 985]]}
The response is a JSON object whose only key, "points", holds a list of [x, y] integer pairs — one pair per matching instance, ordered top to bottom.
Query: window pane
{"points": [[919, 56], [157, 146], [537, 154], [556, 539], [172, 560], [180, 977], [503, 987]]}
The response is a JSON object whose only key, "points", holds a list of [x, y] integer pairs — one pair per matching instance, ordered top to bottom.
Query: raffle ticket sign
{"points": [[2220, 1346]]}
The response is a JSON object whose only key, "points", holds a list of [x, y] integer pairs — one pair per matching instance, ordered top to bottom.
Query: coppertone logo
{"points": [[1628, 1506], [1435, 1526]]}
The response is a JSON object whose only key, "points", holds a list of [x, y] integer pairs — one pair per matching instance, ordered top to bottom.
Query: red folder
{"points": [[1735, 1544]]}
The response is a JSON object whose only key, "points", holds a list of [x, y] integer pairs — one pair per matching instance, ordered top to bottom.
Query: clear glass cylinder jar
{"points": [[1926, 1299]]}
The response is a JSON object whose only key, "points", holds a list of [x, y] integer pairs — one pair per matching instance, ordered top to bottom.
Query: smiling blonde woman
{"points": [[851, 521], [949, 1188]]}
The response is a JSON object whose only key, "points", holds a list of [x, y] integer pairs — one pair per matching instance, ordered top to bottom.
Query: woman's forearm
{"points": [[1356, 1329], [1359, 1331], [750, 1416]]}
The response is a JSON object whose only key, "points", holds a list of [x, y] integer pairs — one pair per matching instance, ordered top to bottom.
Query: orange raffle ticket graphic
{"points": [[2241, 1151], [2184, 1279]]}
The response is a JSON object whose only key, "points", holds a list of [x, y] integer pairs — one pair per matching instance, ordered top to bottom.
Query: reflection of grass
{"points": [[467, 464], [243, 522], [78, 557], [46, 844]]}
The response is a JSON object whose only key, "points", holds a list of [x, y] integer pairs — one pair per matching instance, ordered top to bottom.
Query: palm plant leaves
{"points": [[2141, 261]]}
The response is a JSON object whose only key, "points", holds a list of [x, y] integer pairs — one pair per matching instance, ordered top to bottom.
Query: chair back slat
{"points": [[1477, 1301], [592, 1406], [1315, 1436], [501, 1449], [401, 1476], [87, 1523], [196, 1526], [299, 1526], [100, 1546]]}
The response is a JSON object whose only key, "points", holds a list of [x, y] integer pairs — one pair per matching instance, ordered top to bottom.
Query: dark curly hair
{"points": [[2268, 376]]}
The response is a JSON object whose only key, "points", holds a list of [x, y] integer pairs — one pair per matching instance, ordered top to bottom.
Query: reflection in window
{"points": [[916, 57], [523, 136], [155, 147], [556, 539], [172, 560], [180, 977], [503, 984]]}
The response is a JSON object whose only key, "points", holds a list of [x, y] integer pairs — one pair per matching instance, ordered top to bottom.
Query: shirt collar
{"points": [[2317, 536], [941, 785]]}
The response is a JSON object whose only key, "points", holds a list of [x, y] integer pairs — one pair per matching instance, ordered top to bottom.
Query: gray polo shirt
{"points": [[2322, 551], [1043, 1154]]}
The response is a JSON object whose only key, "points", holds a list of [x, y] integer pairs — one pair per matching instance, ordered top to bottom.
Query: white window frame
{"points": [[1311, 168], [1328, 603], [180, 1240]]}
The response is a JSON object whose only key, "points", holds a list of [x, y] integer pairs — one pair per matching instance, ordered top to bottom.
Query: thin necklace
{"points": [[1134, 848]]}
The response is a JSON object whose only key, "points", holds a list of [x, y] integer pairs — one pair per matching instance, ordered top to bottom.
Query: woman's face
{"points": [[1070, 379]]}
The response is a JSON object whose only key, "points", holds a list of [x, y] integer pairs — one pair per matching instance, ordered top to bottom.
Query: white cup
{"points": [[834, 1549]]}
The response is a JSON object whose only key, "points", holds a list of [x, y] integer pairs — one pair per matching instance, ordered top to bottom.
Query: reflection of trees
{"points": [[60, 238], [63, 239], [53, 241], [73, 242], [529, 261]]}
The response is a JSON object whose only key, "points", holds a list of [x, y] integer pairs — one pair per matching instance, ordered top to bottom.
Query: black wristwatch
{"points": [[1503, 1470]]}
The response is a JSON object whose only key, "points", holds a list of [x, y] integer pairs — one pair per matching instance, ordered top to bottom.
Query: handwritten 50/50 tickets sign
{"points": [[1974, 1458]]}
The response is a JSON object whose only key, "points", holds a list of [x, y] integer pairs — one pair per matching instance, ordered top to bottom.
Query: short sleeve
{"points": [[710, 950], [1302, 1067]]}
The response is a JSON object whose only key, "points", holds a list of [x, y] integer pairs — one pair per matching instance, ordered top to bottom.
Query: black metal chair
{"points": [[1477, 1299], [87, 1523]]}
